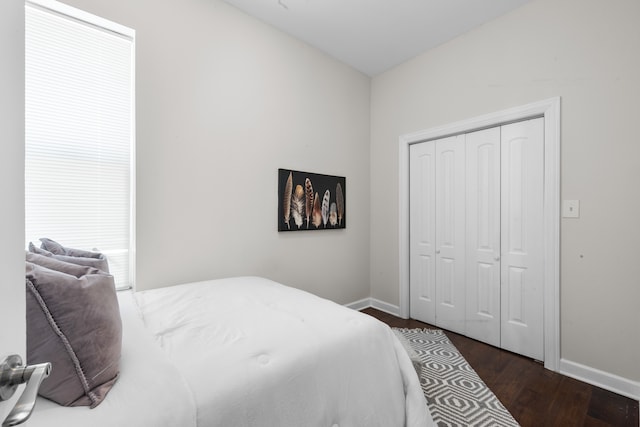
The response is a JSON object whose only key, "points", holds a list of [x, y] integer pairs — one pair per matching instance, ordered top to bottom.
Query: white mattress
{"points": [[249, 352], [257, 353]]}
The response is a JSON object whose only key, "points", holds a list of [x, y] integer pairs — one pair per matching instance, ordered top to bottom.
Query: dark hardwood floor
{"points": [[535, 396]]}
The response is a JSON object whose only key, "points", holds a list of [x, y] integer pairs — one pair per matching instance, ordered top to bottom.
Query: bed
{"points": [[250, 352]]}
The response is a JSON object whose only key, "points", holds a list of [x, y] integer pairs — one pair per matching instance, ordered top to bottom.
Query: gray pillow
{"points": [[57, 249], [36, 250], [92, 259], [62, 266], [73, 321]]}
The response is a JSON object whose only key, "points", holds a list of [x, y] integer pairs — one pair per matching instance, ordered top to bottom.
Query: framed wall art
{"points": [[310, 201]]}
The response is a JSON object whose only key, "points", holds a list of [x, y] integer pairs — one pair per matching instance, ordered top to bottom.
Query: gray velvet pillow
{"points": [[57, 249], [36, 250], [75, 256], [62, 266], [73, 321]]}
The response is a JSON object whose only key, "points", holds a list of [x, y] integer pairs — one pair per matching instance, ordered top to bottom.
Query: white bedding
{"points": [[249, 352], [257, 353], [150, 391]]}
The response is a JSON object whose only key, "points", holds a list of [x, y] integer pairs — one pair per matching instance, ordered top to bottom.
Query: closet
{"points": [[476, 240]]}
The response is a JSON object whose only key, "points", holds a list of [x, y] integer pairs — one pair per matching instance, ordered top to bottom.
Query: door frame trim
{"points": [[550, 110]]}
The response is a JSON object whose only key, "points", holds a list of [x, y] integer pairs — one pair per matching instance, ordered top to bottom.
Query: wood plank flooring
{"points": [[535, 396]]}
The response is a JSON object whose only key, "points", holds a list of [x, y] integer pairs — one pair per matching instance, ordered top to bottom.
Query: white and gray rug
{"points": [[455, 393]]}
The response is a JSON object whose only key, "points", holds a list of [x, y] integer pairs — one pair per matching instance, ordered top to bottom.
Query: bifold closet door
{"points": [[422, 214], [450, 233], [476, 235], [483, 235], [437, 236], [522, 238]]}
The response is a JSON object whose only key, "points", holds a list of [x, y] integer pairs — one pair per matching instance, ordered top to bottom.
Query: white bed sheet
{"points": [[259, 354], [150, 392]]}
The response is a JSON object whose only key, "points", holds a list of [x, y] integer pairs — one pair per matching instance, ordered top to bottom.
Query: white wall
{"points": [[585, 51], [223, 101], [12, 298]]}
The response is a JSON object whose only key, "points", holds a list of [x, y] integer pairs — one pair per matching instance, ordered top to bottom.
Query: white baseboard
{"points": [[375, 303], [359, 305], [386, 307], [605, 380]]}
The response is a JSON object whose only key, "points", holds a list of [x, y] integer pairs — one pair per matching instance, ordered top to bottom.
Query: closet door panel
{"points": [[450, 233], [483, 235], [422, 237], [522, 266]]}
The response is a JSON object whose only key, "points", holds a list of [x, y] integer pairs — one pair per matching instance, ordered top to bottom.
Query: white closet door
{"points": [[422, 211], [450, 233], [483, 235], [522, 266]]}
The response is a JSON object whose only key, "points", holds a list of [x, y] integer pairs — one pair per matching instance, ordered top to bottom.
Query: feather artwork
{"points": [[308, 188], [340, 203], [286, 205], [297, 206], [325, 207], [333, 214], [316, 216]]}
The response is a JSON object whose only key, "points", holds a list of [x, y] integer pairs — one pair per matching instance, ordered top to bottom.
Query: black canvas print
{"points": [[310, 201]]}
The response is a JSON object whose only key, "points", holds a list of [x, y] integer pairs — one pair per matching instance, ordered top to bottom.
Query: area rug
{"points": [[455, 394]]}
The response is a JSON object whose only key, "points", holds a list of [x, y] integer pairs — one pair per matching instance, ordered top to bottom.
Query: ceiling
{"points": [[375, 35]]}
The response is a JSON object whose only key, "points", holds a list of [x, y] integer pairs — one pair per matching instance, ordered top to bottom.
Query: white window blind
{"points": [[79, 133]]}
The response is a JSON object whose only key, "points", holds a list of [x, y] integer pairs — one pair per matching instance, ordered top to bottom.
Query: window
{"points": [[80, 133]]}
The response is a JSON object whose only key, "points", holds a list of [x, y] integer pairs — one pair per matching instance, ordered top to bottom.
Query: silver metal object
{"points": [[12, 374]]}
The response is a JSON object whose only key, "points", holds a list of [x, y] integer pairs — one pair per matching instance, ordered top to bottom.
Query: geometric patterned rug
{"points": [[455, 394]]}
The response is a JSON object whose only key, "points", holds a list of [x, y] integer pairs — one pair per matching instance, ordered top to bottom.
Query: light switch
{"points": [[571, 208]]}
